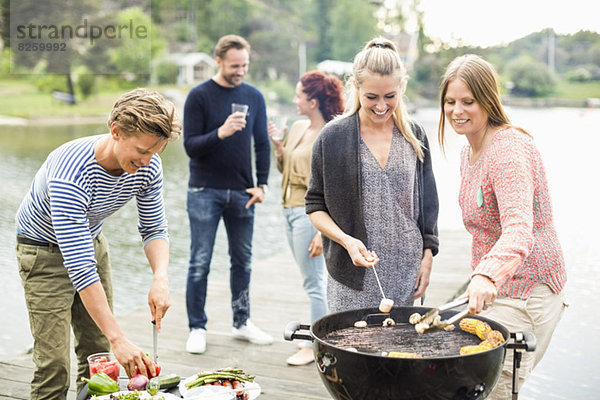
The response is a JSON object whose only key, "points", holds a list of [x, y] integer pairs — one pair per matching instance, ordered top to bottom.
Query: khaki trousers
{"points": [[54, 308], [538, 314]]}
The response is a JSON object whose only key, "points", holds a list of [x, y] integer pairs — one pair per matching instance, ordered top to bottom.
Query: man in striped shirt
{"points": [[62, 255]]}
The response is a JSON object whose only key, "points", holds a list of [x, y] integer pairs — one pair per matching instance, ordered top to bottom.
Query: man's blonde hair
{"points": [[228, 42], [145, 111]]}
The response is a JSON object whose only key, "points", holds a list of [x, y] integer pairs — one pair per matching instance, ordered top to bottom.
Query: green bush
{"points": [[166, 72], [583, 73], [530, 78], [85, 81], [48, 83]]}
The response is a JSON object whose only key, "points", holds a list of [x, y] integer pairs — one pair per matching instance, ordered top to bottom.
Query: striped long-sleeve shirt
{"points": [[71, 196], [506, 206]]}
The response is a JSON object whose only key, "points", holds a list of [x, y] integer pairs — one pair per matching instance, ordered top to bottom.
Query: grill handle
{"points": [[291, 331], [522, 341]]}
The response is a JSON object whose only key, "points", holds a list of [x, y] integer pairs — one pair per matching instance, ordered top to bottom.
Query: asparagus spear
{"points": [[225, 373]]}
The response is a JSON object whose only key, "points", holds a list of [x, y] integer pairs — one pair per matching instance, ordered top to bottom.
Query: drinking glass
{"points": [[243, 108], [279, 121]]}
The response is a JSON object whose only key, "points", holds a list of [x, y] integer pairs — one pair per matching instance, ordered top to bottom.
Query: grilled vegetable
{"points": [[414, 318], [360, 324], [421, 327], [475, 327], [495, 336], [490, 338], [483, 346], [471, 349], [399, 354], [100, 384]]}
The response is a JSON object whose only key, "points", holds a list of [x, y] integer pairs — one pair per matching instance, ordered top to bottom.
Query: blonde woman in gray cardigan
{"points": [[319, 98], [372, 192]]}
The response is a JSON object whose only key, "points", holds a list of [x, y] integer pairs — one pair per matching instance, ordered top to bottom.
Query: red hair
{"points": [[327, 89]]}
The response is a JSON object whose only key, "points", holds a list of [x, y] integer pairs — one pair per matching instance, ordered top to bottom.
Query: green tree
{"points": [[322, 22], [353, 24], [132, 55], [530, 78]]}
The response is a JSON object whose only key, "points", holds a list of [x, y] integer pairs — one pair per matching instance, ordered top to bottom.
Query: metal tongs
{"points": [[430, 317]]}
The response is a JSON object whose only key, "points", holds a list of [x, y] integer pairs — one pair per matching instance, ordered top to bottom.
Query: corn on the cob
{"points": [[475, 327], [494, 336], [490, 338], [471, 349], [399, 354]]}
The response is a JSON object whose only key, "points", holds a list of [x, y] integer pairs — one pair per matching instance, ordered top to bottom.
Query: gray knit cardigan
{"points": [[335, 187]]}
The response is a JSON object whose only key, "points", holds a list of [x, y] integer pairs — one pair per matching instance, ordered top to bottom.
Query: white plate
{"points": [[252, 394], [143, 395]]}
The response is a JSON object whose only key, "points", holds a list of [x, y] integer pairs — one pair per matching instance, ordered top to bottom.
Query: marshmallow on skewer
{"points": [[386, 305]]}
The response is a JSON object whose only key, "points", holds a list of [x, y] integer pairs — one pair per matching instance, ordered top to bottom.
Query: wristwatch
{"points": [[264, 187]]}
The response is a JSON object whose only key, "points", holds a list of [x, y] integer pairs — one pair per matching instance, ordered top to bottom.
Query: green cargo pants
{"points": [[54, 307]]}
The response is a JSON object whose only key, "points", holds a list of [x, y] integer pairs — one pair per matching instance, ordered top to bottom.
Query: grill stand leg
{"points": [[522, 341], [515, 375]]}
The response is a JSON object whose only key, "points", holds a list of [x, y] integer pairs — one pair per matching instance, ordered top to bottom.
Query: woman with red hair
{"points": [[319, 98]]}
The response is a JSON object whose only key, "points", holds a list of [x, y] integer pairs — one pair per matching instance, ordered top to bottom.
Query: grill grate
{"points": [[401, 338]]}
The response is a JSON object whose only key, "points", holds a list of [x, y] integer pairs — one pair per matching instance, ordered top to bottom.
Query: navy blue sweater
{"points": [[225, 163]]}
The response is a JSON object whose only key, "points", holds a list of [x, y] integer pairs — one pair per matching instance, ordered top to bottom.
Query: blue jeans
{"points": [[206, 207], [300, 232]]}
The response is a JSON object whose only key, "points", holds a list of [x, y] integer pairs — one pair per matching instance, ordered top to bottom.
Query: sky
{"points": [[494, 22]]}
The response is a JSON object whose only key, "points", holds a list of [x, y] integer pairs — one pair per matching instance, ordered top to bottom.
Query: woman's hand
{"points": [[276, 133], [277, 143], [316, 246], [361, 257], [424, 274], [482, 292]]}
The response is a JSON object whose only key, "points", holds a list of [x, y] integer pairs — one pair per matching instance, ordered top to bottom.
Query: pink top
{"points": [[506, 206]]}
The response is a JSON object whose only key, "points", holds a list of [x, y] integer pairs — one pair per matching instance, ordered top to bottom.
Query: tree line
{"points": [[287, 35]]}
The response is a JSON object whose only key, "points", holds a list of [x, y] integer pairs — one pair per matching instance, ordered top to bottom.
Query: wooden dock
{"points": [[277, 298]]}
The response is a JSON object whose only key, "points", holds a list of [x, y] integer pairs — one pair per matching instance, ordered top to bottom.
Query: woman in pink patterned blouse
{"points": [[517, 260]]}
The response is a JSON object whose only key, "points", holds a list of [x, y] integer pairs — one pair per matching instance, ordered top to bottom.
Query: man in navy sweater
{"points": [[221, 185]]}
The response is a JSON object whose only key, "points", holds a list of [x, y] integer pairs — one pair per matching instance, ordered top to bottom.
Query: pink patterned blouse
{"points": [[506, 207]]}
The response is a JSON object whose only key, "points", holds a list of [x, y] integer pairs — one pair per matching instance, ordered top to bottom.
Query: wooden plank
{"points": [[277, 297]]}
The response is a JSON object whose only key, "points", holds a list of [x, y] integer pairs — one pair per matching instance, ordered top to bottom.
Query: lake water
{"points": [[569, 142]]}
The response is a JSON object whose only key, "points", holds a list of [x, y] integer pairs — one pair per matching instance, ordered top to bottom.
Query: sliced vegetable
{"points": [[101, 384]]}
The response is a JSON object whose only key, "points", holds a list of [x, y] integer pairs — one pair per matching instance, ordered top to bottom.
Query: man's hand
{"points": [[234, 122], [258, 195], [159, 300], [128, 354], [132, 358]]}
